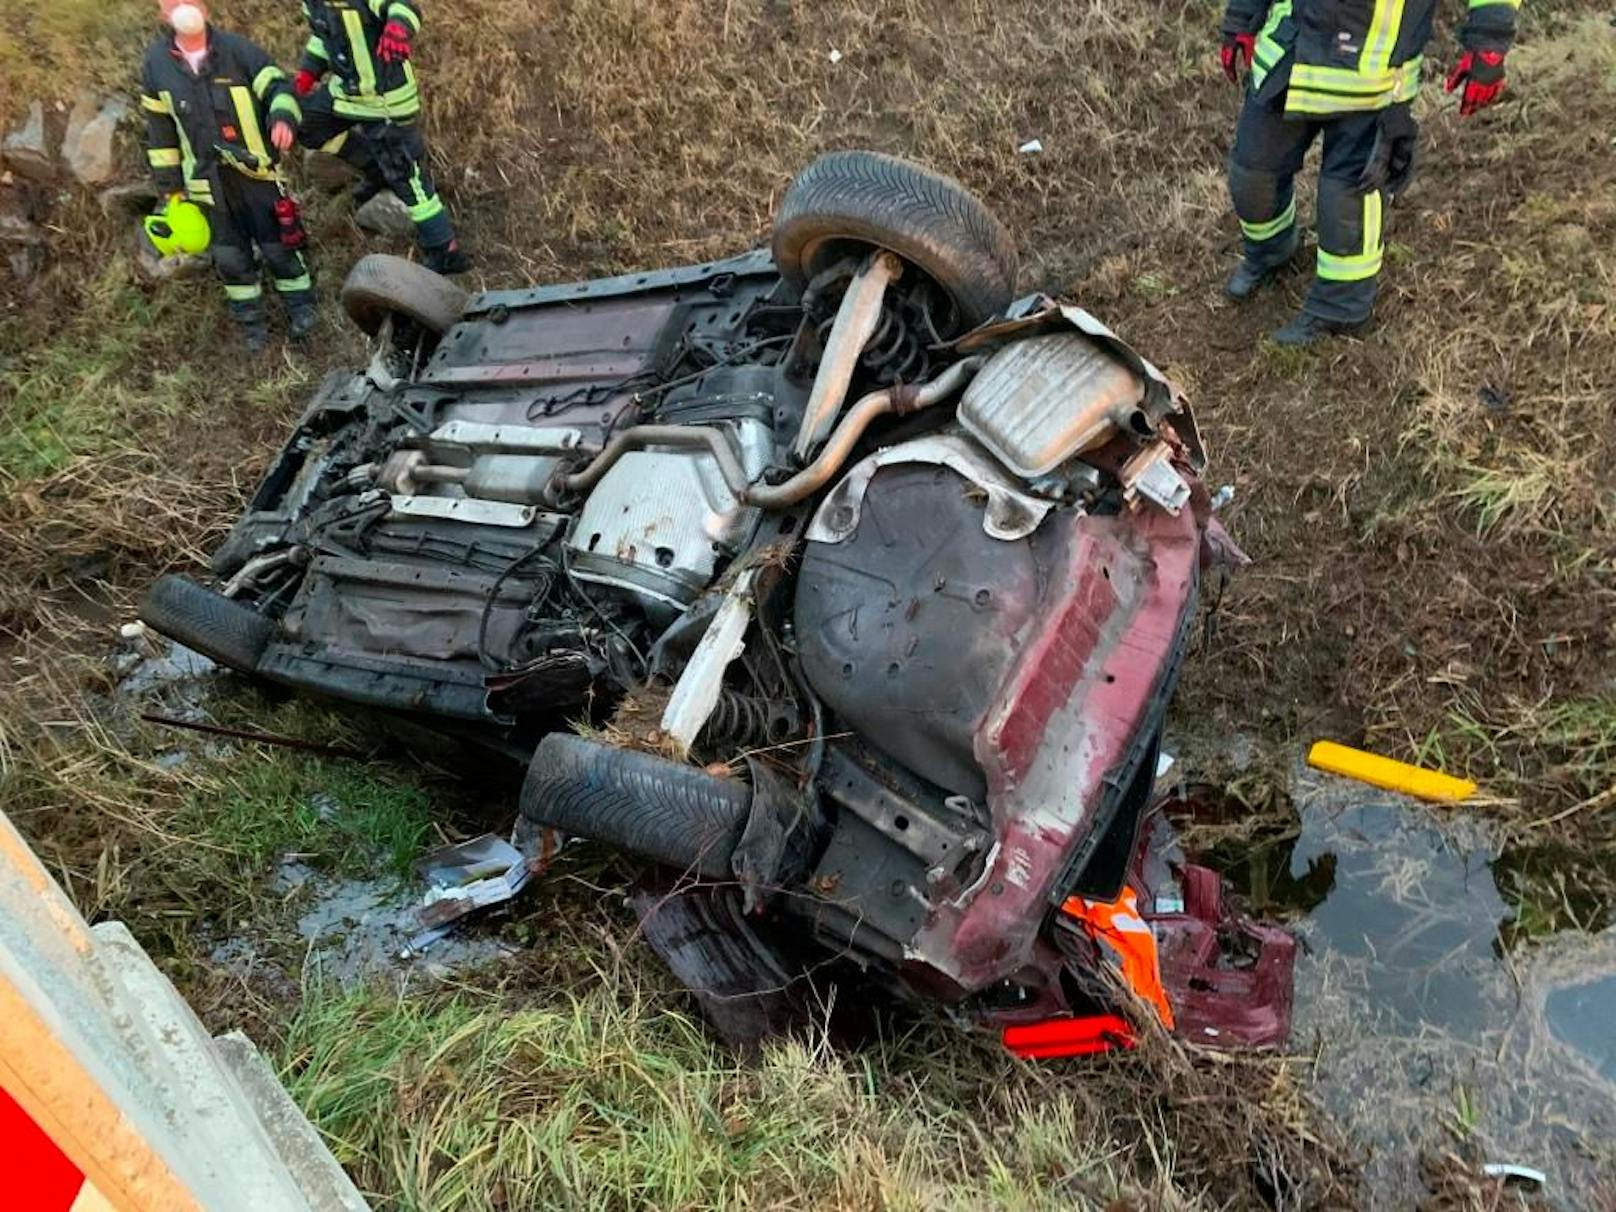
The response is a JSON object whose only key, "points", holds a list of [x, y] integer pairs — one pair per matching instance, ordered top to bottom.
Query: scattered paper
{"points": [[835, 55], [1031, 147], [1164, 762], [461, 879]]}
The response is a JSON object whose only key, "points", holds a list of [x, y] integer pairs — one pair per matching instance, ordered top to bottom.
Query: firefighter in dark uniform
{"points": [[1346, 70], [367, 111], [219, 114]]}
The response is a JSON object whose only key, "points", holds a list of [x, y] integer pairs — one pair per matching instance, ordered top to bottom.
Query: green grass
{"points": [[86, 392], [340, 813], [616, 1098]]}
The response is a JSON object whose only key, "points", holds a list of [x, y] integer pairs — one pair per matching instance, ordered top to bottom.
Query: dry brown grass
{"points": [[1436, 573]]}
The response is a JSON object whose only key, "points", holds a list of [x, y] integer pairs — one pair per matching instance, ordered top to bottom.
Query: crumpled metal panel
{"points": [[1042, 400], [1164, 401], [1010, 514], [659, 521], [1089, 680]]}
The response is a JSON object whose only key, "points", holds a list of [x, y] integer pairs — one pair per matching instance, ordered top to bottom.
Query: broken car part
{"points": [[856, 322], [871, 626]]}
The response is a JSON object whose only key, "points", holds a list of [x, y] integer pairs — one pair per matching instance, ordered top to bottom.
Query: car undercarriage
{"points": [[841, 587]]}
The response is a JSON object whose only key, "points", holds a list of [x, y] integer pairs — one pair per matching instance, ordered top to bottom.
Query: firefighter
{"points": [[1346, 71], [367, 111], [219, 114]]}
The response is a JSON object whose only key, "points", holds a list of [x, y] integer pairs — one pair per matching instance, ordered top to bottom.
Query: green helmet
{"points": [[180, 227]]}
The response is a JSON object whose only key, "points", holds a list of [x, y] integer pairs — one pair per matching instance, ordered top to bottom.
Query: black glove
{"points": [[1391, 160]]}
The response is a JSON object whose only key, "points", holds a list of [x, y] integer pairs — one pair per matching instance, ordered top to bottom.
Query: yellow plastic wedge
{"points": [[1384, 772]]}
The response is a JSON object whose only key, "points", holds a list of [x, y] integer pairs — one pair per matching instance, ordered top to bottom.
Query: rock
{"points": [[87, 146], [27, 151], [328, 172], [136, 198], [386, 215], [14, 229], [26, 262], [162, 269]]}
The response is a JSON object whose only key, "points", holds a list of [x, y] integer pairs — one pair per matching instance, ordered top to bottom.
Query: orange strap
{"points": [[1128, 936]]}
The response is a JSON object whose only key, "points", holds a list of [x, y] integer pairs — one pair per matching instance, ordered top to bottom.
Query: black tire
{"points": [[849, 200], [381, 285], [208, 622], [672, 813]]}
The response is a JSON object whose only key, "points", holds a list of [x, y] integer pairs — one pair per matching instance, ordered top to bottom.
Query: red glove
{"points": [[394, 45], [1235, 48], [1482, 74], [303, 83]]}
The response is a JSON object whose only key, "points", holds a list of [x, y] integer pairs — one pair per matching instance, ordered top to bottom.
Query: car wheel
{"points": [[849, 201], [381, 285], [208, 622], [670, 812]]}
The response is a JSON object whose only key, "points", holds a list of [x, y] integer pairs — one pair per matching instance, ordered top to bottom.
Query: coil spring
{"points": [[894, 353], [743, 721]]}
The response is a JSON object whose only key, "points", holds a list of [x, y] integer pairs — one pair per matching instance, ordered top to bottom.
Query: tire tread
{"points": [[925, 217], [675, 814]]}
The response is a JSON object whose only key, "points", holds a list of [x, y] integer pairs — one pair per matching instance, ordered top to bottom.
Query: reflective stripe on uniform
{"points": [[1486, 3], [406, 14], [1387, 18], [315, 47], [359, 47], [1268, 52], [265, 78], [1336, 90], [402, 103], [286, 104], [156, 105], [251, 135], [163, 157], [196, 188], [427, 206], [1267, 231], [1365, 263], [289, 286], [243, 294]]}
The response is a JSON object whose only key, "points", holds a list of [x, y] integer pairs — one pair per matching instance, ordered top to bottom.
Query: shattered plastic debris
{"points": [[835, 55], [464, 878], [1510, 1172]]}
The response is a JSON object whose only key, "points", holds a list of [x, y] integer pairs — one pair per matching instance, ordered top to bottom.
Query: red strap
{"points": [[1069, 1036]]}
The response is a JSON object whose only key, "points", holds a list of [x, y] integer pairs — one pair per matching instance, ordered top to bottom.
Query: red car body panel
{"points": [[1091, 672]]}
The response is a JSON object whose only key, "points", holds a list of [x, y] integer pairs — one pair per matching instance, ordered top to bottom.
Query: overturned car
{"points": [[842, 586]]}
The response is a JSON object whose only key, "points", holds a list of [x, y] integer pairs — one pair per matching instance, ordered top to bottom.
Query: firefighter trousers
{"points": [[1268, 152], [390, 154], [247, 240]]}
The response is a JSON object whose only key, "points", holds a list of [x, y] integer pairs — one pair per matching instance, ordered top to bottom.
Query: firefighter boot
{"points": [[448, 258], [1251, 276], [249, 314], [301, 318], [1307, 329], [254, 330]]}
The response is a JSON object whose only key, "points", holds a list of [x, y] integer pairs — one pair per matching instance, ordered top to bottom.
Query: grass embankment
{"points": [[1430, 509]]}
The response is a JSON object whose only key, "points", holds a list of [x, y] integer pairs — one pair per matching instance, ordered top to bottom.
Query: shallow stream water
{"points": [[1455, 994]]}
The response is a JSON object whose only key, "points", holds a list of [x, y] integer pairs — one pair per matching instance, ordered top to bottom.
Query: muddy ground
{"points": [[1431, 510]]}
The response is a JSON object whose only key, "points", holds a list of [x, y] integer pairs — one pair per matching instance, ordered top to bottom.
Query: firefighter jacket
{"points": [[342, 41], [1351, 56], [199, 124]]}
